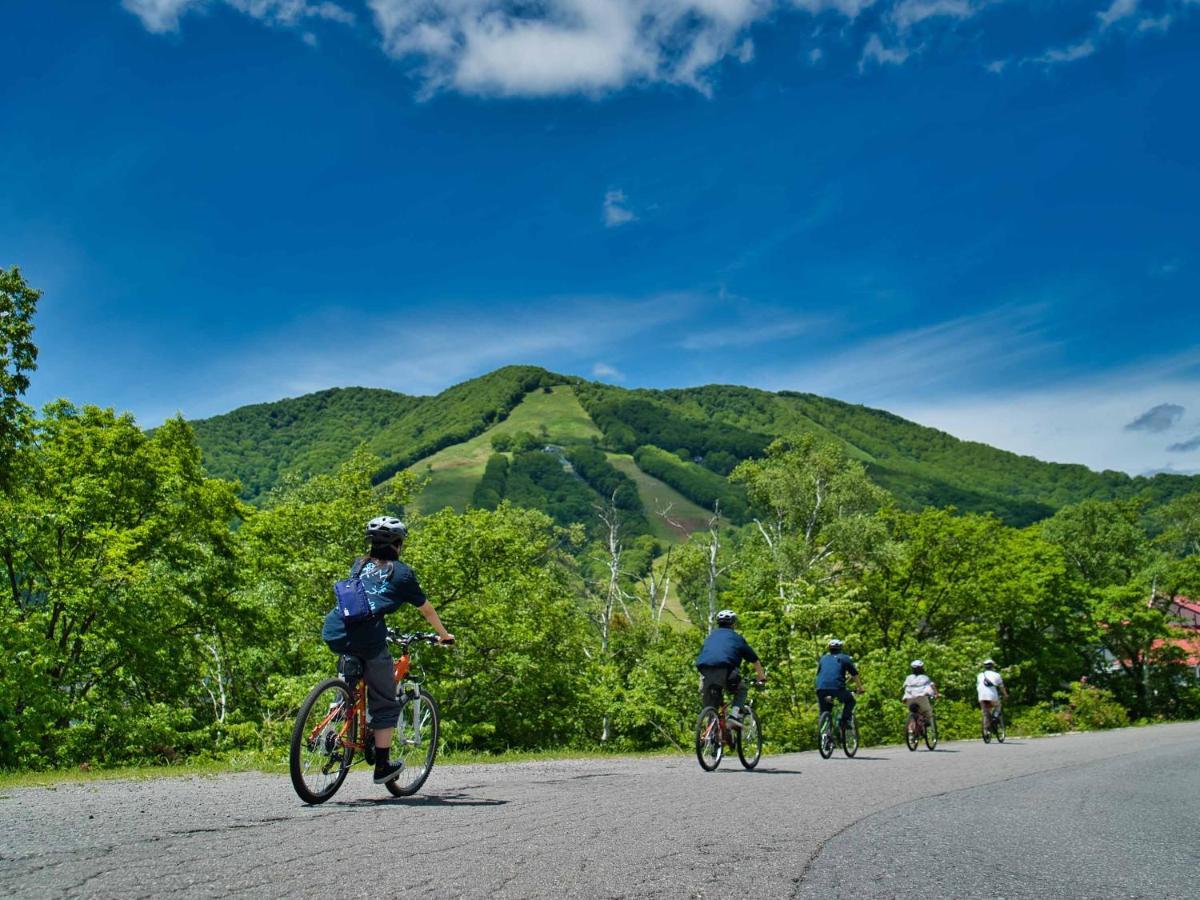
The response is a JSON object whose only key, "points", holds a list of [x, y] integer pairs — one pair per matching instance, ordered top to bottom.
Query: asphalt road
{"points": [[1113, 814]]}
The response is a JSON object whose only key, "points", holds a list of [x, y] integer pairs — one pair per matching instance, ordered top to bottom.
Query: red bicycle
{"points": [[331, 728], [918, 729], [715, 734]]}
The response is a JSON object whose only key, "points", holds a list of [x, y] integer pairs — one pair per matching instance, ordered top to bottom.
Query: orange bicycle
{"points": [[331, 728]]}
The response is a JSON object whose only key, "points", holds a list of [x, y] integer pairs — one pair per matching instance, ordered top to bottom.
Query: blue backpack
{"points": [[352, 598]]}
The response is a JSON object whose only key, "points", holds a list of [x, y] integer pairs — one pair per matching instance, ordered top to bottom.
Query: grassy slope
{"points": [[456, 470], [657, 495]]}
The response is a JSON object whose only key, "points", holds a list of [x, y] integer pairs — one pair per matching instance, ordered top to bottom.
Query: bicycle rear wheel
{"points": [[910, 732], [931, 732], [825, 735], [850, 737], [749, 740], [415, 742], [709, 747], [319, 757]]}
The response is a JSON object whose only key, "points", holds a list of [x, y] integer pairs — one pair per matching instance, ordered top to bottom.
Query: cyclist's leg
{"points": [[712, 684], [737, 686], [825, 701], [848, 701], [924, 707], [985, 707], [383, 710]]}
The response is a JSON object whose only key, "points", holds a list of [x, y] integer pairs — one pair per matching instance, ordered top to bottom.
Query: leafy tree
{"points": [[18, 357], [121, 572]]}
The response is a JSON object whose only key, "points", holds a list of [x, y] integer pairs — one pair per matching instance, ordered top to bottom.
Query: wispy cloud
{"points": [[161, 16], [593, 47], [876, 52], [616, 209], [765, 330], [566, 333], [939, 358], [604, 370], [1158, 418]]}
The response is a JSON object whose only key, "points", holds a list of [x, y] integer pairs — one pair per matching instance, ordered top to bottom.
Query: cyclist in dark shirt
{"points": [[389, 584], [720, 662], [831, 681]]}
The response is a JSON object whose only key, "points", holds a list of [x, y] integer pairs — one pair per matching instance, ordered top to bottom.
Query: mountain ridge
{"points": [[712, 425]]}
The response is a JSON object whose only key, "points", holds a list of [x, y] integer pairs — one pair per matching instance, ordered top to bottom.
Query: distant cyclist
{"points": [[390, 584], [720, 663], [832, 670], [989, 686], [920, 691]]}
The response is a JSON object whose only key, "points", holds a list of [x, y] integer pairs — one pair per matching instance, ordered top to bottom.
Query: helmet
{"points": [[386, 530], [726, 617], [835, 644], [917, 664], [989, 664]]}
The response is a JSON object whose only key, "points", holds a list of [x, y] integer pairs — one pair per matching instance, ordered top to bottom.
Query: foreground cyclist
{"points": [[389, 584], [720, 663], [832, 670], [989, 686], [920, 691]]}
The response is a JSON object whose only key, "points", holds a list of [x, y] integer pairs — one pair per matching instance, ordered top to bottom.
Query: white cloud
{"points": [[1117, 10], [907, 13], [161, 16], [1155, 23], [541, 48], [876, 52], [1071, 53], [616, 210], [604, 370]]}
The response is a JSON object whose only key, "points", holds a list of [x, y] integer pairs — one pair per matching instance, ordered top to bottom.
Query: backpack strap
{"points": [[356, 569]]}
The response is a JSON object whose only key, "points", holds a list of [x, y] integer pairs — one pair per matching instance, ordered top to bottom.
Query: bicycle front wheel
{"points": [[1000, 732], [931, 733], [825, 735], [850, 738], [911, 738], [749, 740], [415, 742], [709, 748], [319, 756]]}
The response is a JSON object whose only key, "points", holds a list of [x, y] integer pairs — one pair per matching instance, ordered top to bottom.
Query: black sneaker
{"points": [[388, 772]]}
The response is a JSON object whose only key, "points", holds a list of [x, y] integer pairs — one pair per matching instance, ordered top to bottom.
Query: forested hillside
{"points": [[690, 439]]}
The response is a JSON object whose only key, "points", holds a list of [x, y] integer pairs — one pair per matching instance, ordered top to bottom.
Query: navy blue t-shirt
{"points": [[388, 587], [725, 647], [832, 671]]}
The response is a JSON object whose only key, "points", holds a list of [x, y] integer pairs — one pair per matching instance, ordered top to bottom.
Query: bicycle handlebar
{"points": [[423, 637]]}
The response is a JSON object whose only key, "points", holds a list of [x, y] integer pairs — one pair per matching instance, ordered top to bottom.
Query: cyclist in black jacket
{"points": [[720, 662]]}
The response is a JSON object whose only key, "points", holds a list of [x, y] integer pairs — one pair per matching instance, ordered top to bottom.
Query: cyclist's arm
{"points": [[426, 609], [759, 672], [858, 683]]}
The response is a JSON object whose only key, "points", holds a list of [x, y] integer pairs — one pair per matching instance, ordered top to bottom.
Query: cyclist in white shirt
{"points": [[989, 686], [919, 690]]}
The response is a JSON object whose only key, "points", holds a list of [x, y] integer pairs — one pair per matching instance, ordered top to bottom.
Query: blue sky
{"points": [[984, 216]]}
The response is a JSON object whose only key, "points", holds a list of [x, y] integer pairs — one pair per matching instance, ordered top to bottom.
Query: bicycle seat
{"points": [[351, 668]]}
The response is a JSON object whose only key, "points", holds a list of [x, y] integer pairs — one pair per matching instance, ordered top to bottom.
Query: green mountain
{"points": [[675, 445]]}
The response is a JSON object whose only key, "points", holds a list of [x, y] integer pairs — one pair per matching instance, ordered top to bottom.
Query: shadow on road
{"points": [[761, 772], [422, 800]]}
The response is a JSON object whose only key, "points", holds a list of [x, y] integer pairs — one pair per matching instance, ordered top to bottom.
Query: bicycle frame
{"points": [[358, 710]]}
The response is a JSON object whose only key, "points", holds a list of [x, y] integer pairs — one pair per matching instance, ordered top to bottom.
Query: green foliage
{"points": [[18, 357], [605, 479], [695, 482], [490, 490], [121, 567], [1089, 708]]}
